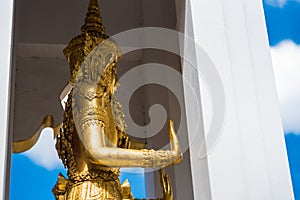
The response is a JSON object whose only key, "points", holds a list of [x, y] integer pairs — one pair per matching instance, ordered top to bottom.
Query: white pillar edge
{"points": [[6, 21], [250, 160], [199, 167]]}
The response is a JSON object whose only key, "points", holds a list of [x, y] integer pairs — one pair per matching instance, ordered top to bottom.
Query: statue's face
{"points": [[93, 89], [92, 100], [92, 111]]}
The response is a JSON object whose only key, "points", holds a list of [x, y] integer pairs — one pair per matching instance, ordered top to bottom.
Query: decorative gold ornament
{"points": [[92, 34], [92, 141]]}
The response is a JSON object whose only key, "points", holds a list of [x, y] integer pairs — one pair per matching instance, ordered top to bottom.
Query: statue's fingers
{"points": [[172, 132], [175, 146], [162, 177], [168, 183]]}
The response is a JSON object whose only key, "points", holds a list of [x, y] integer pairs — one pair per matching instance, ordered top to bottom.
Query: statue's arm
{"points": [[124, 141], [99, 153]]}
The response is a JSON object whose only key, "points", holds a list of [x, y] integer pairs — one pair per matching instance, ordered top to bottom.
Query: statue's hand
{"points": [[175, 146], [167, 188]]}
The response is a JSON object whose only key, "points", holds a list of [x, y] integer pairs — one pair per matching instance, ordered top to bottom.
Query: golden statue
{"points": [[92, 141]]}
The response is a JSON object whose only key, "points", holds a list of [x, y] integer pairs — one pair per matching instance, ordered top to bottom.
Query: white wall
{"points": [[6, 10], [250, 159]]}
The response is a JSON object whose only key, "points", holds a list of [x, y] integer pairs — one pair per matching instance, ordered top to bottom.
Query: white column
{"points": [[6, 18], [250, 159], [199, 167]]}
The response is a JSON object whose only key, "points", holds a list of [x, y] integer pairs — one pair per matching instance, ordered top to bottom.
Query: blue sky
{"points": [[283, 22], [30, 181]]}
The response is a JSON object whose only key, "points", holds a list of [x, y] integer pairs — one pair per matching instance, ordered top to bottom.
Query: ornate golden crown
{"points": [[92, 34]]}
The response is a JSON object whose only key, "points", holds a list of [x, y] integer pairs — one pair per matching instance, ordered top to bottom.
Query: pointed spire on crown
{"points": [[93, 20], [92, 33]]}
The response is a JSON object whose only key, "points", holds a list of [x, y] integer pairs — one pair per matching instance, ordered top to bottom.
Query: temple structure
{"points": [[237, 151]]}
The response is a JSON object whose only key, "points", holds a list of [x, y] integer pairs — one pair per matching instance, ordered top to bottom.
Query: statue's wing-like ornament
{"points": [[48, 122], [24, 145]]}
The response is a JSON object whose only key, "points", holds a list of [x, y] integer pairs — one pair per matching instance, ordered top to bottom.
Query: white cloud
{"points": [[276, 3], [279, 3], [286, 63], [43, 153]]}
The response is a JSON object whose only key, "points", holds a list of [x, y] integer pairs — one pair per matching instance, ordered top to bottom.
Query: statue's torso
{"points": [[90, 181]]}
